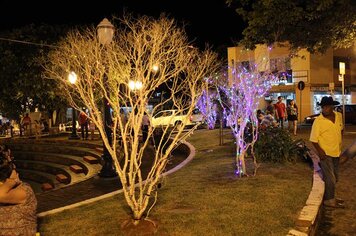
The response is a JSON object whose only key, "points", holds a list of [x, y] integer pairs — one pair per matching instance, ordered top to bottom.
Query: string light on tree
{"points": [[239, 102], [206, 106]]}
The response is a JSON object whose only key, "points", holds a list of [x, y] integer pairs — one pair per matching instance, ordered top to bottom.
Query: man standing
{"points": [[280, 111], [83, 122], [26, 123], [326, 137]]}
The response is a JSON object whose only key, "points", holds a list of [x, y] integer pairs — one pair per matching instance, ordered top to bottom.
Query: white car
{"points": [[197, 117], [170, 118], [68, 126]]}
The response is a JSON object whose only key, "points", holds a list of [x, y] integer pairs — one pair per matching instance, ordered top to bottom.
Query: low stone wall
{"points": [[307, 222]]}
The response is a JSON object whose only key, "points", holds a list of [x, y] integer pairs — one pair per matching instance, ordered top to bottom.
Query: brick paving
{"points": [[93, 187]]}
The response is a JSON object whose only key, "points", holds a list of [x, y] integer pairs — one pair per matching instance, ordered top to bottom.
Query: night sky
{"points": [[209, 21]]}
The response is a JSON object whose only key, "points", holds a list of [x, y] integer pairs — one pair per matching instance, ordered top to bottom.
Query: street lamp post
{"points": [[105, 31], [72, 77], [342, 79]]}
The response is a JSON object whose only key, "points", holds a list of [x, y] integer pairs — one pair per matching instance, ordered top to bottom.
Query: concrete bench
{"points": [[91, 160], [76, 169], [62, 179], [46, 186]]}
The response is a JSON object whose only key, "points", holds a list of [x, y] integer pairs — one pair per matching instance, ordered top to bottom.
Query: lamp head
{"points": [[105, 31]]}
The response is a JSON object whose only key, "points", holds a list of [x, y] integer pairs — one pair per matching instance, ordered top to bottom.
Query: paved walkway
{"points": [[90, 188], [339, 222]]}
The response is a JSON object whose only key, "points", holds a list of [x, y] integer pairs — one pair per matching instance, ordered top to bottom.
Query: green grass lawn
{"points": [[204, 198]]}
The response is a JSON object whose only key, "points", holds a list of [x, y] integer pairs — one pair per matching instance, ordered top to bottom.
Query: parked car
{"points": [[350, 114], [197, 117], [170, 118], [310, 119], [68, 126]]}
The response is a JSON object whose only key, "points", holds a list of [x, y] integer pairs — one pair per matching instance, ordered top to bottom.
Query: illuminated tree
{"points": [[147, 52], [239, 98], [206, 105]]}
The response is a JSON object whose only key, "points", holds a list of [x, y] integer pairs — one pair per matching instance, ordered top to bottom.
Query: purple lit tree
{"points": [[239, 98], [206, 106]]}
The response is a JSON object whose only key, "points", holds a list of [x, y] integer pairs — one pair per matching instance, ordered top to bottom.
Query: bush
{"points": [[275, 145]]}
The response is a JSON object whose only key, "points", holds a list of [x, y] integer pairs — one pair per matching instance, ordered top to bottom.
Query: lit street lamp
{"points": [[105, 32], [72, 77], [135, 85]]}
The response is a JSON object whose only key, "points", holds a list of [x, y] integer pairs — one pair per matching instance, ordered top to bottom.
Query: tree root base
{"points": [[143, 227]]}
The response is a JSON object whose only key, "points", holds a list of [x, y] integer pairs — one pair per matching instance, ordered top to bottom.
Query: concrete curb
{"points": [[108, 195], [309, 216]]}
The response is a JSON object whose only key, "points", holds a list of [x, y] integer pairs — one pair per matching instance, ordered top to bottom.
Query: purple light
{"points": [[241, 102], [208, 109]]}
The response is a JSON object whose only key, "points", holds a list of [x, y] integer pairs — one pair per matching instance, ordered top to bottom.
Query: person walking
{"points": [[281, 112], [292, 115], [83, 122], [26, 124], [145, 127], [38, 129], [92, 129], [326, 137]]}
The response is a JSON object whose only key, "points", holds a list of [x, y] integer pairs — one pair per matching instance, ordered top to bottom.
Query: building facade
{"points": [[319, 74]]}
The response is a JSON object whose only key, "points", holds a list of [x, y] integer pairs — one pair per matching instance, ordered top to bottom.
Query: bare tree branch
{"points": [[139, 46]]}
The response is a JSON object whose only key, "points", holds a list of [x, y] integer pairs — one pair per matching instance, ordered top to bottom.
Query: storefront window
{"points": [[337, 97]]}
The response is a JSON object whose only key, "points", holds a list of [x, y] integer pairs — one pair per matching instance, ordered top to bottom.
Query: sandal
{"points": [[339, 200], [336, 205]]}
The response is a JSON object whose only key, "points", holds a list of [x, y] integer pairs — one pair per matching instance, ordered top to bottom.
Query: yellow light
{"points": [[155, 68], [342, 68], [72, 77], [132, 84], [135, 85], [138, 85]]}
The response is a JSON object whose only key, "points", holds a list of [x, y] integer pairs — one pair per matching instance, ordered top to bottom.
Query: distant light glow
{"points": [[155, 68], [342, 68], [72, 77], [135, 85]]}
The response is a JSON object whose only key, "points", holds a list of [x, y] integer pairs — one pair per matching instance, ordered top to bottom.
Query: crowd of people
{"points": [[276, 114], [29, 127]]}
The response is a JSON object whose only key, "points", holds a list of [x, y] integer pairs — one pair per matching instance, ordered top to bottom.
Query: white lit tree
{"points": [[151, 53]]}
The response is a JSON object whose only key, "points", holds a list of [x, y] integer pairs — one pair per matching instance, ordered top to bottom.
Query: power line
{"points": [[30, 43]]}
